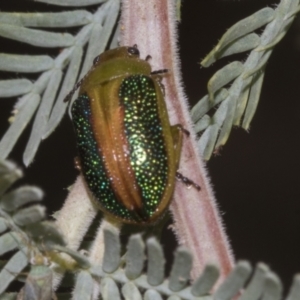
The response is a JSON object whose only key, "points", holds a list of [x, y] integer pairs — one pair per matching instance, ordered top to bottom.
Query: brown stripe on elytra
{"points": [[109, 134]]}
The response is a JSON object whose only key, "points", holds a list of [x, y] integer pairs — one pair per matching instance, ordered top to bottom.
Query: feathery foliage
{"points": [[45, 95], [235, 105], [26, 238], [31, 241]]}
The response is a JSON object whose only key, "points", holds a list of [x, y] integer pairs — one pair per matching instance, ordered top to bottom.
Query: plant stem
{"points": [[74, 219], [197, 224]]}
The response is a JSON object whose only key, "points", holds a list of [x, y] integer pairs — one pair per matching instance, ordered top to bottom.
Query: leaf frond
{"points": [[44, 97], [236, 105], [138, 274], [133, 284]]}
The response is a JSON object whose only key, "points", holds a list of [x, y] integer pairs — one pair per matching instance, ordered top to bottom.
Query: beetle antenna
{"points": [[79, 83], [76, 86]]}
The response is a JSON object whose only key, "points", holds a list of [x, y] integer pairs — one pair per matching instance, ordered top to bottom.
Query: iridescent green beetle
{"points": [[128, 151]]}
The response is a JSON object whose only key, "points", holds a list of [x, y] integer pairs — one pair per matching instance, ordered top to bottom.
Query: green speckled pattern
{"points": [[144, 133], [147, 149], [91, 161]]}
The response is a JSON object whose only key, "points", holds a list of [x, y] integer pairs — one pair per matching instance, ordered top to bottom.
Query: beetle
{"points": [[128, 151]]}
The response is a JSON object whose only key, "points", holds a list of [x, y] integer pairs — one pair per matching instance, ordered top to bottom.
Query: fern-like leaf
{"points": [[46, 94], [239, 101], [23, 234], [116, 276], [263, 284]]}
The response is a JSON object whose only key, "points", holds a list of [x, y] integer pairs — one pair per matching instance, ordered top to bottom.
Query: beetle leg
{"points": [[161, 71], [158, 78], [177, 131], [186, 132], [177, 142], [189, 183]]}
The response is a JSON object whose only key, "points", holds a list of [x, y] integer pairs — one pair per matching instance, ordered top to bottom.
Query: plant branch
{"points": [[74, 219], [197, 224]]}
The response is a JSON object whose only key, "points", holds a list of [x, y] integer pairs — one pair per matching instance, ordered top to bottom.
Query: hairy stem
{"points": [[74, 219], [197, 224]]}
